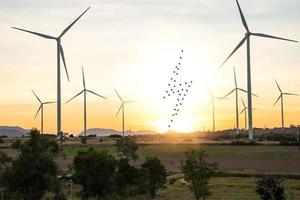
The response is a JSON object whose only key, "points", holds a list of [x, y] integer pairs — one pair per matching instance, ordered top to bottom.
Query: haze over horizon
{"points": [[133, 46]]}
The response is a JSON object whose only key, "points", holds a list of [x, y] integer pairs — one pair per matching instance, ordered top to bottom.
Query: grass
{"points": [[229, 188]]}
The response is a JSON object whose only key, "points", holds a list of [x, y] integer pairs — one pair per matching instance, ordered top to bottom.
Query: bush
{"points": [[83, 140], [128, 147], [95, 172], [197, 172], [156, 174], [270, 188]]}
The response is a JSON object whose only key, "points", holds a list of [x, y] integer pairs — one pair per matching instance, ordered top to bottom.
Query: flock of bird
{"points": [[175, 88]]}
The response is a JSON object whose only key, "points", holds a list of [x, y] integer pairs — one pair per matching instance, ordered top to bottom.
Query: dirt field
{"points": [[256, 159]]}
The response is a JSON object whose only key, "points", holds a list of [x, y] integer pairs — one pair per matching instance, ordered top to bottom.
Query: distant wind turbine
{"points": [[247, 37], [60, 54], [236, 90], [84, 91], [281, 98], [212, 102], [122, 107], [41, 108], [244, 110]]}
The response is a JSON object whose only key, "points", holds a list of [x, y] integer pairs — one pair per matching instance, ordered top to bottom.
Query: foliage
{"points": [[83, 140], [16, 144], [128, 147], [4, 160], [34, 171], [95, 172], [197, 172], [156, 174], [127, 178], [270, 188]]}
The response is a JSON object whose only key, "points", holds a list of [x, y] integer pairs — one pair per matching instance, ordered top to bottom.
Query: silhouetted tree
{"points": [[128, 147], [34, 171], [95, 172], [197, 172], [156, 174], [270, 188]]}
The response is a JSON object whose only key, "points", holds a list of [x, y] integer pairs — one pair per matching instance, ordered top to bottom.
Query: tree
{"points": [[128, 147], [4, 160], [34, 171], [95, 172], [197, 172], [156, 174], [127, 178], [270, 188]]}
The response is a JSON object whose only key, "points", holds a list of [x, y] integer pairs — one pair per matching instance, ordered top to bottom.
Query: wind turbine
{"points": [[247, 38], [60, 54], [236, 90], [84, 91], [281, 98], [212, 101], [122, 107], [41, 108], [244, 110]]}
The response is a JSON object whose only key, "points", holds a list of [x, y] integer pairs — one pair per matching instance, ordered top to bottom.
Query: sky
{"points": [[133, 45]]}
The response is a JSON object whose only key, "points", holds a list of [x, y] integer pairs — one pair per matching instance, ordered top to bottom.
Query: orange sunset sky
{"points": [[133, 45]]}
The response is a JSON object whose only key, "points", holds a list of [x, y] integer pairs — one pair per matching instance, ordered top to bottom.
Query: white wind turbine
{"points": [[247, 38], [60, 54], [236, 90], [84, 91], [281, 98], [212, 102], [122, 107], [41, 108], [244, 110]]}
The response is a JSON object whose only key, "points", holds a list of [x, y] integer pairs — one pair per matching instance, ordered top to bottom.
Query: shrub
{"points": [[128, 147], [95, 172], [197, 172], [156, 174], [270, 188]]}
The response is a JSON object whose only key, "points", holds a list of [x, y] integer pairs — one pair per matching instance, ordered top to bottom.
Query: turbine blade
{"points": [[242, 16], [66, 29], [36, 33], [273, 37], [236, 48], [64, 61], [83, 79], [235, 82], [278, 86], [247, 92], [229, 93], [96, 94], [211, 94], [291, 94], [119, 95], [36, 96], [75, 96], [277, 100], [130, 101], [49, 102], [210, 102], [243, 103], [120, 109], [244, 109], [38, 110]]}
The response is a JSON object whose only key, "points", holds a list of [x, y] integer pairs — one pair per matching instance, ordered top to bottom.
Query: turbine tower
{"points": [[247, 38], [60, 54], [236, 90], [84, 91], [281, 98], [212, 101], [122, 107], [41, 108]]}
